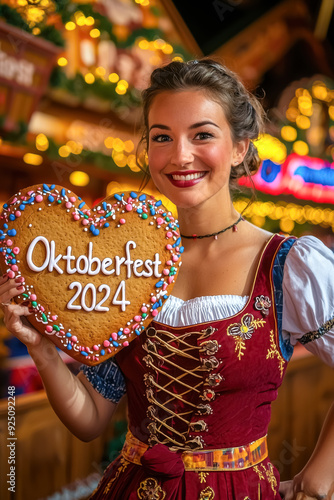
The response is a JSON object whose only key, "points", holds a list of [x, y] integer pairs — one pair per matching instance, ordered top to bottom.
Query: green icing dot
{"points": [[58, 201], [144, 216], [167, 219], [25, 295], [34, 303], [144, 315], [44, 317], [56, 327]]}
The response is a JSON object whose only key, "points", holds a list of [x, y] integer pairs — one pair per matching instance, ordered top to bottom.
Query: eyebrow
{"points": [[195, 125]]}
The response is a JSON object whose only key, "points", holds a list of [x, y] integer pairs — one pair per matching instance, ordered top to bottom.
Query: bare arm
{"points": [[82, 409]]}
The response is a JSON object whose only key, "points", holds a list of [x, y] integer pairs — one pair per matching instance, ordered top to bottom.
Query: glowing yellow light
{"points": [[22, 3], [145, 3], [90, 21], [70, 26], [36, 31], [95, 33], [159, 44], [144, 45], [168, 49], [177, 58], [62, 61], [100, 71], [113, 77], [89, 78], [123, 83], [121, 89], [320, 91], [299, 92], [305, 105], [331, 112], [303, 122], [288, 133], [42, 142], [109, 142], [118, 145], [128, 146], [75, 147], [300, 147], [271, 148], [64, 151], [32, 159], [120, 159], [78, 178], [112, 188], [257, 220], [286, 225]]}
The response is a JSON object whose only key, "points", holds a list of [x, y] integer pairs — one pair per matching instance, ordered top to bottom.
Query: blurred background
{"points": [[71, 73]]}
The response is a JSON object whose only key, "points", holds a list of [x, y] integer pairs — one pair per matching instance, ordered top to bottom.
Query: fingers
{"points": [[10, 288]]}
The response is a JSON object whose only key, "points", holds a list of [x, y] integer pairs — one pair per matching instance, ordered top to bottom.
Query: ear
{"points": [[239, 151]]}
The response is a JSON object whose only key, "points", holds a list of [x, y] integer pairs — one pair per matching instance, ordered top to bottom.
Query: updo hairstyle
{"points": [[243, 111]]}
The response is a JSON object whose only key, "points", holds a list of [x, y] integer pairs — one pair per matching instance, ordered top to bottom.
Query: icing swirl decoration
{"points": [[95, 277]]}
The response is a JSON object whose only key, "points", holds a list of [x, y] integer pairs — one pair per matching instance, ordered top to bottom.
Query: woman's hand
{"points": [[14, 314], [303, 488]]}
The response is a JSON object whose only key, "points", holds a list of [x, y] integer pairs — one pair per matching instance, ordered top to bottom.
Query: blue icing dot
{"points": [[52, 186], [46, 187], [62, 192], [133, 194], [118, 197], [142, 197], [51, 198], [158, 203], [82, 204], [5, 205], [104, 205], [22, 207], [139, 211], [152, 211], [12, 217], [106, 224], [5, 226], [1, 231], [12, 232], [96, 232], [2, 237], [181, 249], [8, 250], [13, 261], [159, 284], [155, 306], [137, 332], [119, 333], [68, 334], [115, 344], [69, 347], [102, 352], [84, 353]]}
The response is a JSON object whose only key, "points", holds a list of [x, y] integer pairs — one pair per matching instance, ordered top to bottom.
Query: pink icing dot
{"points": [[29, 193], [38, 198], [72, 199], [68, 204], [128, 207], [17, 213], [76, 216], [122, 221], [160, 221], [84, 222], [169, 234], [9, 243], [169, 247], [16, 250], [175, 258], [169, 263], [15, 268], [166, 272], [11, 274], [170, 279], [164, 286], [33, 296], [153, 299], [42, 309], [144, 309], [154, 312], [54, 318], [137, 318], [134, 326], [48, 329], [126, 331], [114, 336], [74, 338], [106, 343], [126, 343], [95, 347], [109, 350]]}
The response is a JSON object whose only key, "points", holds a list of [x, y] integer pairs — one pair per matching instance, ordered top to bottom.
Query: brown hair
{"points": [[243, 111]]}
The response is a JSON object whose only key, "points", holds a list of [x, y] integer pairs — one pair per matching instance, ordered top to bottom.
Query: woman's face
{"points": [[190, 149]]}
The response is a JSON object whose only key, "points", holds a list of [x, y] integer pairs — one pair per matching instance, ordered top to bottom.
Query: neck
{"points": [[201, 222]]}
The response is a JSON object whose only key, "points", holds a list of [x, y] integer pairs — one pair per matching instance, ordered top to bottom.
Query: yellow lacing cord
{"points": [[165, 358], [178, 379], [173, 414]]}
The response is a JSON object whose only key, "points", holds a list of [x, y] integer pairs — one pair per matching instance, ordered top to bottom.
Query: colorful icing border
{"points": [[93, 220]]}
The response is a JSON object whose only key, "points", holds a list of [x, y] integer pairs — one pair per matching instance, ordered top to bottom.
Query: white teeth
{"points": [[188, 177]]}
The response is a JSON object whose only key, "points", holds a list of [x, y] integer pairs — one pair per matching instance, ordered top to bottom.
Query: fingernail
{"points": [[19, 279], [20, 288], [25, 303], [31, 309]]}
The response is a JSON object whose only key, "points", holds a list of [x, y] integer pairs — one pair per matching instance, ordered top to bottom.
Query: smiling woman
{"points": [[201, 378]]}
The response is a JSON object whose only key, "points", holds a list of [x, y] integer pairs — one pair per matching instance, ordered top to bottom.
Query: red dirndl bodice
{"points": [[202, 387]]}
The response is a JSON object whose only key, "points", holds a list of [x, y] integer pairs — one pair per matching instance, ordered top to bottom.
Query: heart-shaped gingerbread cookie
{"points": [[94, 277]]}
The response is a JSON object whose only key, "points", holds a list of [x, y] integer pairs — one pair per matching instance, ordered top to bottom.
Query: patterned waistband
{"points": [[223, 459]]}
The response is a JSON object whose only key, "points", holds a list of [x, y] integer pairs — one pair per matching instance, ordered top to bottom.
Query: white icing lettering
{"points": [[31, 249], [68, 257], [82, 258], [53, 259], [93, 260], [118, 262], [128, 262], [106, 263], [137, 263], [148, 264], [156, 264]]}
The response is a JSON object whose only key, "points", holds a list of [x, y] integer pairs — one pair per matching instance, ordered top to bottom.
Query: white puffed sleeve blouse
{"points": [[308, 300]]}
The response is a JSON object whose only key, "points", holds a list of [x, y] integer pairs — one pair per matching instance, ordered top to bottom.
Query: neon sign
{"points": [[302, 176]]}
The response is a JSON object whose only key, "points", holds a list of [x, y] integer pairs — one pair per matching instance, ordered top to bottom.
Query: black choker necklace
{"points": [[215, 235]]}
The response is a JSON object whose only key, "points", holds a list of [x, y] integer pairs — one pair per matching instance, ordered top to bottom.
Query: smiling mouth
{"points": [[187, 177]]}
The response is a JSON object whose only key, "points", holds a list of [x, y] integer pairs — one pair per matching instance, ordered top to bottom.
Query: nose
{"points": [[182, 153]]}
